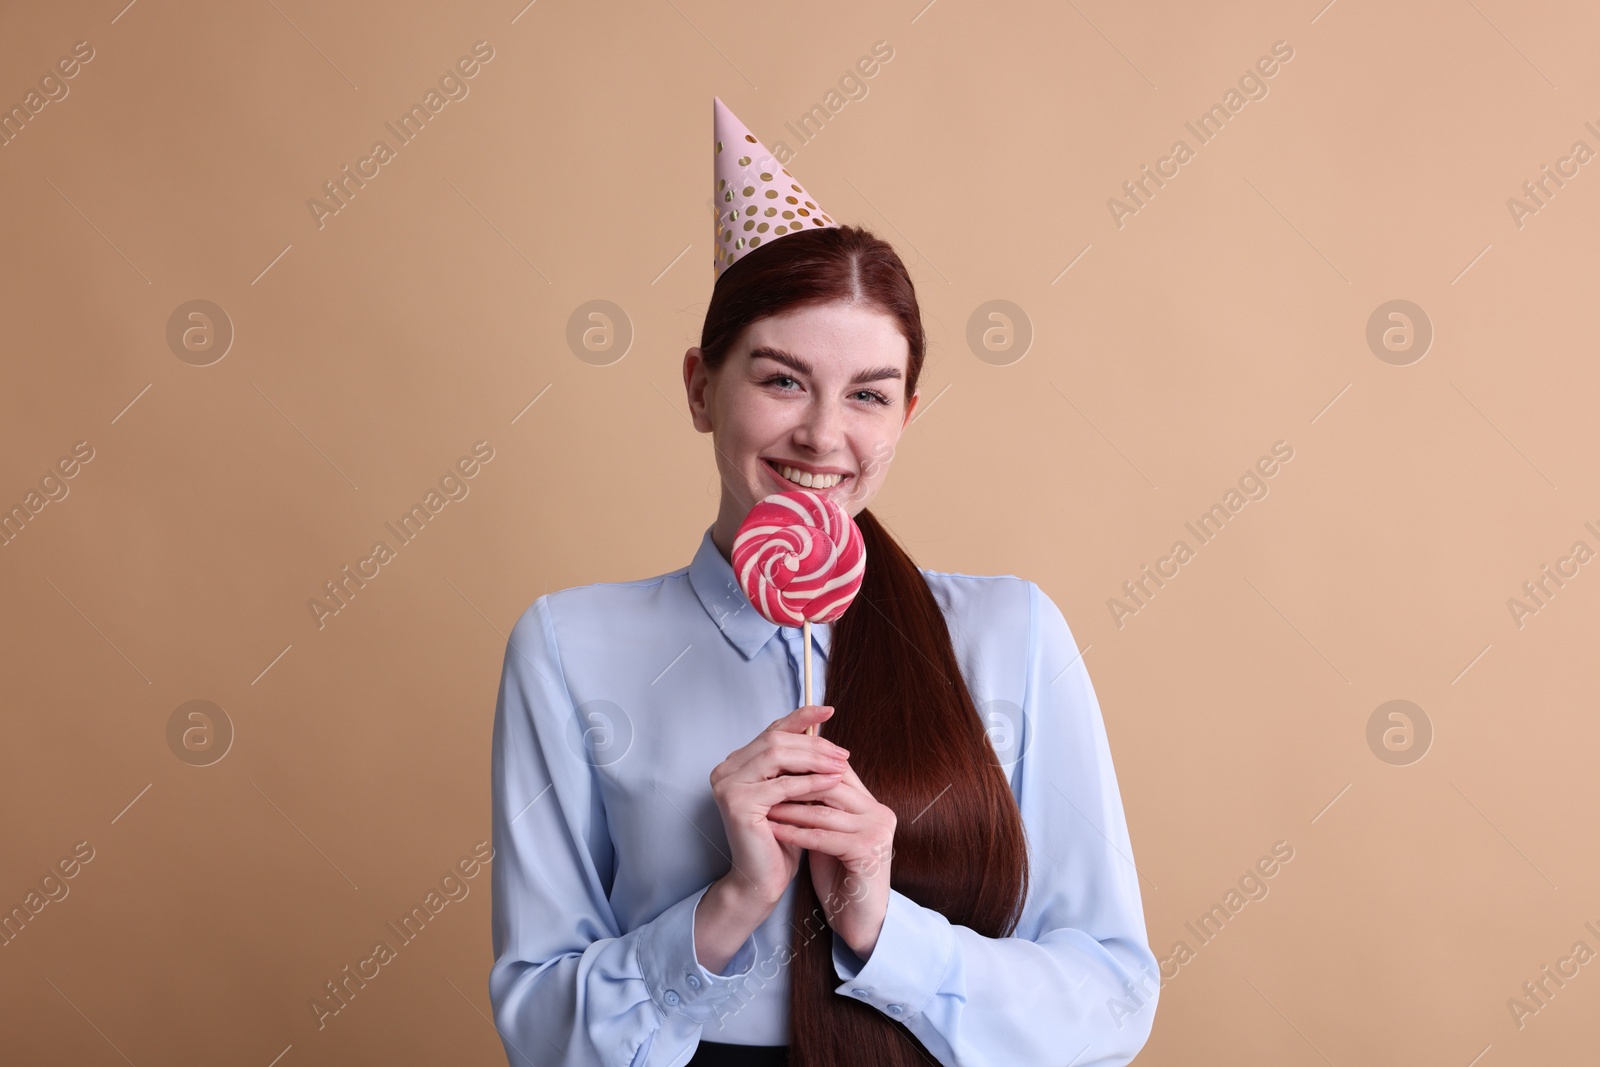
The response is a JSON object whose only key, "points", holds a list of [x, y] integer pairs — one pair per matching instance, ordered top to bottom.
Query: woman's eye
{"points": [[870, 395]]}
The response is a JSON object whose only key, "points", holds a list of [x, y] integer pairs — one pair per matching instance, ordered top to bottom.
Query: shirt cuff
{"points": [[907, 964], [673, 973]]}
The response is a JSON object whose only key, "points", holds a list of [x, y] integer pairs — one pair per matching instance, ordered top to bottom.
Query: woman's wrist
{"points": [[738, 897], [724, 920], [863, 949]]}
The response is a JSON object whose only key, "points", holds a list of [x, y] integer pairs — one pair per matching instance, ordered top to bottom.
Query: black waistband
{"points": [[717, 1054]]}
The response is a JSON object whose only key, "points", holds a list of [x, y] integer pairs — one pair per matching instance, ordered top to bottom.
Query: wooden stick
{"points": [[805, 648]]}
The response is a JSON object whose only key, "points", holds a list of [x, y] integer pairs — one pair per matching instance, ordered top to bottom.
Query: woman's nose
{"points": [[821, 428]]}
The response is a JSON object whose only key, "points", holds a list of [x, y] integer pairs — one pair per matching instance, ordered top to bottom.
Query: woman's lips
{"points": [[788, 485]]}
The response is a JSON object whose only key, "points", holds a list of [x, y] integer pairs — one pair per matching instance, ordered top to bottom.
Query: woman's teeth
{"points": [[810, 481]]}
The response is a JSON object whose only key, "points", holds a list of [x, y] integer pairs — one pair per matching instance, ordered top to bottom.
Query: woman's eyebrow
{"points": [[795, 363]]}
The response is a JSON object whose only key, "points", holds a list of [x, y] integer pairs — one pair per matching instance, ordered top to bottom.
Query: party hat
{"points": [[756, 199]]}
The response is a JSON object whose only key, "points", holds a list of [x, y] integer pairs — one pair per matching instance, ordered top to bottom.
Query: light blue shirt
{"points": [[616, 702]]}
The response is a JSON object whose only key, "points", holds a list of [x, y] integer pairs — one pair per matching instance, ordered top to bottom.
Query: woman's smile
{"points": [[791, 476]]}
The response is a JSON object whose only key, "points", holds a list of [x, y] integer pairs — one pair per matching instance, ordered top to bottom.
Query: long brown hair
{"points": [[900, 703]]}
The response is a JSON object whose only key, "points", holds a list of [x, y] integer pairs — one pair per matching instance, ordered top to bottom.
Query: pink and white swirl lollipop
{"points": [[800, 559]]}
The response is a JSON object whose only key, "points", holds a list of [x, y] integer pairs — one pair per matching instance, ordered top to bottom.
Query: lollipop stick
{"points": [[805, 645]]}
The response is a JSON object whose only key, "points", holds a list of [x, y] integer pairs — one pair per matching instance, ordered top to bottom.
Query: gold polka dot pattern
{"points": [[750, 190]]}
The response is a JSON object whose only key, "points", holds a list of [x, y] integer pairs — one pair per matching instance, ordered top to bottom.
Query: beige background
{"points": [[370, 353]]}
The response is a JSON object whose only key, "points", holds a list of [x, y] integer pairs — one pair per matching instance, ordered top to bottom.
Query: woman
{"points": [[970, 868], [967, 896]]}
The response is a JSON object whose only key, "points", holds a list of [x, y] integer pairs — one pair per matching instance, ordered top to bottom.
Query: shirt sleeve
{"points": [[1077, 982], [568, 986]]}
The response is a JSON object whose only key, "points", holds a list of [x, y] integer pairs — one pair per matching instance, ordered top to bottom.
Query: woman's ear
{"points": [[697, 384], [911, 406]]}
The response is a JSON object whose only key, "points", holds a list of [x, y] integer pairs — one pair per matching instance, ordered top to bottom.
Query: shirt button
{"points": [[694, 981], [858, 991], [671, 996], [896, 1009]]}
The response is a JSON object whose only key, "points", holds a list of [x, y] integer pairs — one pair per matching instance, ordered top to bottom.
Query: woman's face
{"points": [[819, 390]]}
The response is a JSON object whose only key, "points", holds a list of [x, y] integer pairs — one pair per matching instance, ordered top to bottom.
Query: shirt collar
{"points": [[746, 629]]}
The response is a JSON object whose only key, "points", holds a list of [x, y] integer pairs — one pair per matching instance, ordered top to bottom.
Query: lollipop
{"points": [[800, 560]]}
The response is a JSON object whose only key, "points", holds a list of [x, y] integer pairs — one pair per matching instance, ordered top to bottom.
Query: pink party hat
{"points": [[756, 199]]}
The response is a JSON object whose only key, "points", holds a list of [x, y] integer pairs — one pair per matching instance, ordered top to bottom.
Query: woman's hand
{"points": [[783, 764], [850, 838]]}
